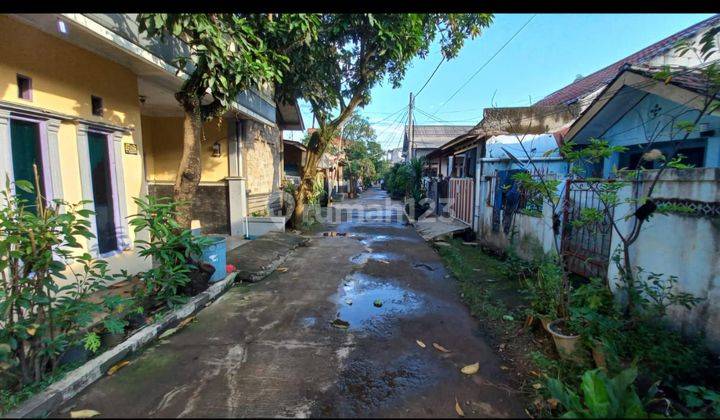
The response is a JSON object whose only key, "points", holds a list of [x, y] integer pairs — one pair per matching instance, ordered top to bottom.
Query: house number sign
{"points": [[130, 149]]}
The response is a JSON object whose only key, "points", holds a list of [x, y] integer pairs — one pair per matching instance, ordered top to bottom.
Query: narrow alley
{"points": [[270, 348]]}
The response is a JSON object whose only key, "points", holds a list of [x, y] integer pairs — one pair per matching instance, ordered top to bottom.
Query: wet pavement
{"points": [[270, 349]]}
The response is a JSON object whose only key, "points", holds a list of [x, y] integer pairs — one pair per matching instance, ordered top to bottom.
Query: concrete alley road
{"points": [[269, 349]]}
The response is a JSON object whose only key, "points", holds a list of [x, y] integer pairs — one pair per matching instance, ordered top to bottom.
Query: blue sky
{"points": [[547, 55]]}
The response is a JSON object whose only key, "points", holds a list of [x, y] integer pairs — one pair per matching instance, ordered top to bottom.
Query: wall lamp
{"points": [[216, 149]]}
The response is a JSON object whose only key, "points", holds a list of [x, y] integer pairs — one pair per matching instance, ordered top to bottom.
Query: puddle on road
{"points": [[374, 238], [364, 257], [363, 290]]}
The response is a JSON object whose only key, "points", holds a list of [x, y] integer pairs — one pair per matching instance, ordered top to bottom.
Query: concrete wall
{"points": [[63, 79], [163, 140], [533, 235], [687, 246]]}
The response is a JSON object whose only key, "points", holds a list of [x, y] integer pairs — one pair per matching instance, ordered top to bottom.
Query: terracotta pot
{"points": [[566, 345]]}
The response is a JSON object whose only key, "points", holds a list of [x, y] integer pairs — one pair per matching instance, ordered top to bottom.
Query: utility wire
{"points": [[488, 61], [430, 78], [599, 100]]}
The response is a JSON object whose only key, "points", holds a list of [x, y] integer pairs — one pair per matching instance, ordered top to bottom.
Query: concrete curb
{"points": [[56, 394]]}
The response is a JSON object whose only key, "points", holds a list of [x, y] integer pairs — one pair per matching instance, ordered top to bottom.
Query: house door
{"points": [[26, 152], [103, 192], [587, 247]]}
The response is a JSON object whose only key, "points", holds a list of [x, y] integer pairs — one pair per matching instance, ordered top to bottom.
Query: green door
{"points": [[26, 151], [103, 196]]}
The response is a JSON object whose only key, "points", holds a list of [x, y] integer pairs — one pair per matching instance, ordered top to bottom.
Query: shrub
{"points": [[171, 248], [41, 318], [600, 396]]}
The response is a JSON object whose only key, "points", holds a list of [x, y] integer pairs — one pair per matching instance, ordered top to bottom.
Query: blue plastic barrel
{"points": [[214, 254]]}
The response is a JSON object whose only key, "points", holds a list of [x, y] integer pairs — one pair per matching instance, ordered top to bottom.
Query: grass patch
{"points": [[482, 283]]}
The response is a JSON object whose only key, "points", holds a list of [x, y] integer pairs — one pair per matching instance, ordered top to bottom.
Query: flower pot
{"points": [[566, 345], [75, 354]]}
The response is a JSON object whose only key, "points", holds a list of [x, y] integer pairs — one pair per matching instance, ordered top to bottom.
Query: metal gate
{"points": [[461, 199], [586, 247]]}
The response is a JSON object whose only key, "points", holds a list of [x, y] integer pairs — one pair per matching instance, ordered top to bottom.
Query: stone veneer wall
{"points": [[263, 159], [210, 206]]}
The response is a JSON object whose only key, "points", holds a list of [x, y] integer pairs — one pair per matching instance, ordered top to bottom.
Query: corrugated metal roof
{"points": [[597, 80], [433, 136]]}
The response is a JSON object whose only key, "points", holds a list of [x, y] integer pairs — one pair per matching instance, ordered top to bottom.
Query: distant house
{"points": [[423, 139], [294, 156], [394, 156], [330, 166]]}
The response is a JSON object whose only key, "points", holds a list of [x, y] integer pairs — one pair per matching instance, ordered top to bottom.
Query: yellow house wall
{"points": [[64, 77], [163, 136]]}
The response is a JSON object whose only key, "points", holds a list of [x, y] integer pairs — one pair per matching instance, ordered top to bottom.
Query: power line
{"points": [[488, 61], [430, 78], [599, 100]]}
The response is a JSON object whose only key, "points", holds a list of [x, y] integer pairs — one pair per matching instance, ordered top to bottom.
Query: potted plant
{"points": [[543, 288], [114, 324], [567, 342]]}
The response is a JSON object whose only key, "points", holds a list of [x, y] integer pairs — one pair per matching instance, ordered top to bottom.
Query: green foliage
{"points": [[229, 52], [354, 52], [170, 246], [45, 283], [543, 288], [92, 342], [600, 396], [702, 402]]}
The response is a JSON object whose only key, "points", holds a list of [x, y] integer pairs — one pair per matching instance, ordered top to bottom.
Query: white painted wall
{"points": [[684, 246]]}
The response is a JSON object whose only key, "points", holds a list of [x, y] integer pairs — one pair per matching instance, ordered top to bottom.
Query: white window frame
{"points": [[50, 150], [117, 177]]}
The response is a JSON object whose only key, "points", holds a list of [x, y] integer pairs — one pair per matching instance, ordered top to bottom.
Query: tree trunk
{"points": [[316, 147], [190, 170]]}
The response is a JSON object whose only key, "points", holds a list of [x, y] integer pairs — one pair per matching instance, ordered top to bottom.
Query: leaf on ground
{"points": [[282, 269], [186, 321], [339, 323], [31, 331], [168, 333], [420, 343], [441, 348], [117, 367], [503, 367], [471, 369], [532, 372], [537, 385], [553, 402], [459, 409], [83, 414]]}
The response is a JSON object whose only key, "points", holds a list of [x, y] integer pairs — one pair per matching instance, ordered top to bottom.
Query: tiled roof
{"points": [[691, 79], [595, 81], [433, 136]]}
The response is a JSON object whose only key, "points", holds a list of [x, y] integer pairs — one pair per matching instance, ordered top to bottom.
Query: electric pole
{"points": [[411, 130]]}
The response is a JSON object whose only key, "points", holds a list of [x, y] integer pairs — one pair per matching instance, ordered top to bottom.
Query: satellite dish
{"points": [[513, 158]]}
